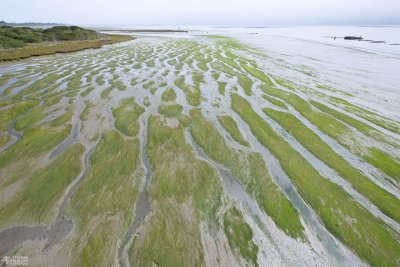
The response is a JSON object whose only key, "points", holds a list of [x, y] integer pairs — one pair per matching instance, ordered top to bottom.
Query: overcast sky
{"points": [[202, 12]]}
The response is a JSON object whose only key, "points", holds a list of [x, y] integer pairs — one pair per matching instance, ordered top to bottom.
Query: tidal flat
{"points": [[200, 149]]}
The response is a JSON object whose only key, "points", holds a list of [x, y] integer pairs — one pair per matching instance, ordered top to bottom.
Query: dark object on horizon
{"points": [[359, 38], [377, 42]]}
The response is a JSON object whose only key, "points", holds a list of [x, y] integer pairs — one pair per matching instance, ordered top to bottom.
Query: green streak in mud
{"points": [[168, 95], [193, 95], [274, 101], [19, 108], [170, 110], [126, 116], [231, 126], [335, 129], [4, 139], [34, 143], [375, 157], [251, 171], [180, 191], [385, 201], [35, 203], [103, 205], [240, 235], [368, 236]]}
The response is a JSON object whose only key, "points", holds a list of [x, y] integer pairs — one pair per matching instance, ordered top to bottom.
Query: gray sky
{"points": [[202, 12]]}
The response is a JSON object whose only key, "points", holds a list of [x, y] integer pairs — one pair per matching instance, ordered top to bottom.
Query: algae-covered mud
{"points": [[201, 150]]}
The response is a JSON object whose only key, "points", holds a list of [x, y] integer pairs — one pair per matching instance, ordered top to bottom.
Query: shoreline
{"points": [[63, 47]]}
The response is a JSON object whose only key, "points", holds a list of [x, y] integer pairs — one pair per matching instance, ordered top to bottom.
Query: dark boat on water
{"points": [[359, 38]]}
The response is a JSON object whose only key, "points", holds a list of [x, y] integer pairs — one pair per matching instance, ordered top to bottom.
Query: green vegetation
{"points": [[17, 37], [45, 48], [218, 66], [257, 74], [100, 80], [246, 83], [148, 85], [221, 88], [87, 91], [106, 92], [168, 95], [193, 96], [274, 101], [170, 110], [86, 111], [8, 115], [367, 115], [126, 116], [30, 118], [62, 120], [231, 126], [362, 127], [335, 129], [4, 139], [35, 142], [385, 162], [251, 172], [180, 190], [36, 201], [385, 201], [103, 205], [342, 216], [193, 219], [240, 235]]}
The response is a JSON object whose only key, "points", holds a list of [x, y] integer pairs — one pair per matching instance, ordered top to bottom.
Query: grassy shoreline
{"points": [[51, 48]]}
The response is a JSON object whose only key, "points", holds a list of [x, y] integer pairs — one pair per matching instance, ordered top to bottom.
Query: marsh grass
{"points": [[59, 47], [257, 74], [100, 80], [246, 83], [221, 88], [87, 91], [168, 95], [193, 95], [275, 101], [170, 110], [86, 111], [10, 114], [367, 115], [126, 116], [31, 118], [62, 120], [231, 126], [361, 126], [335, 129], [4, 139], [35, 141], [385, 162], [251, 172], [43, 188], [180, 190], [106, 199], [385, 201], [342, 216], [240, 235]]}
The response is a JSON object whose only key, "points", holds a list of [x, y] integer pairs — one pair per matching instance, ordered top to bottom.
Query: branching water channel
{"points": [[97, 104]]}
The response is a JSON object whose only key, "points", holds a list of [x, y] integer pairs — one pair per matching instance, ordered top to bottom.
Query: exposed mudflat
{"points": [[120, 156]]}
